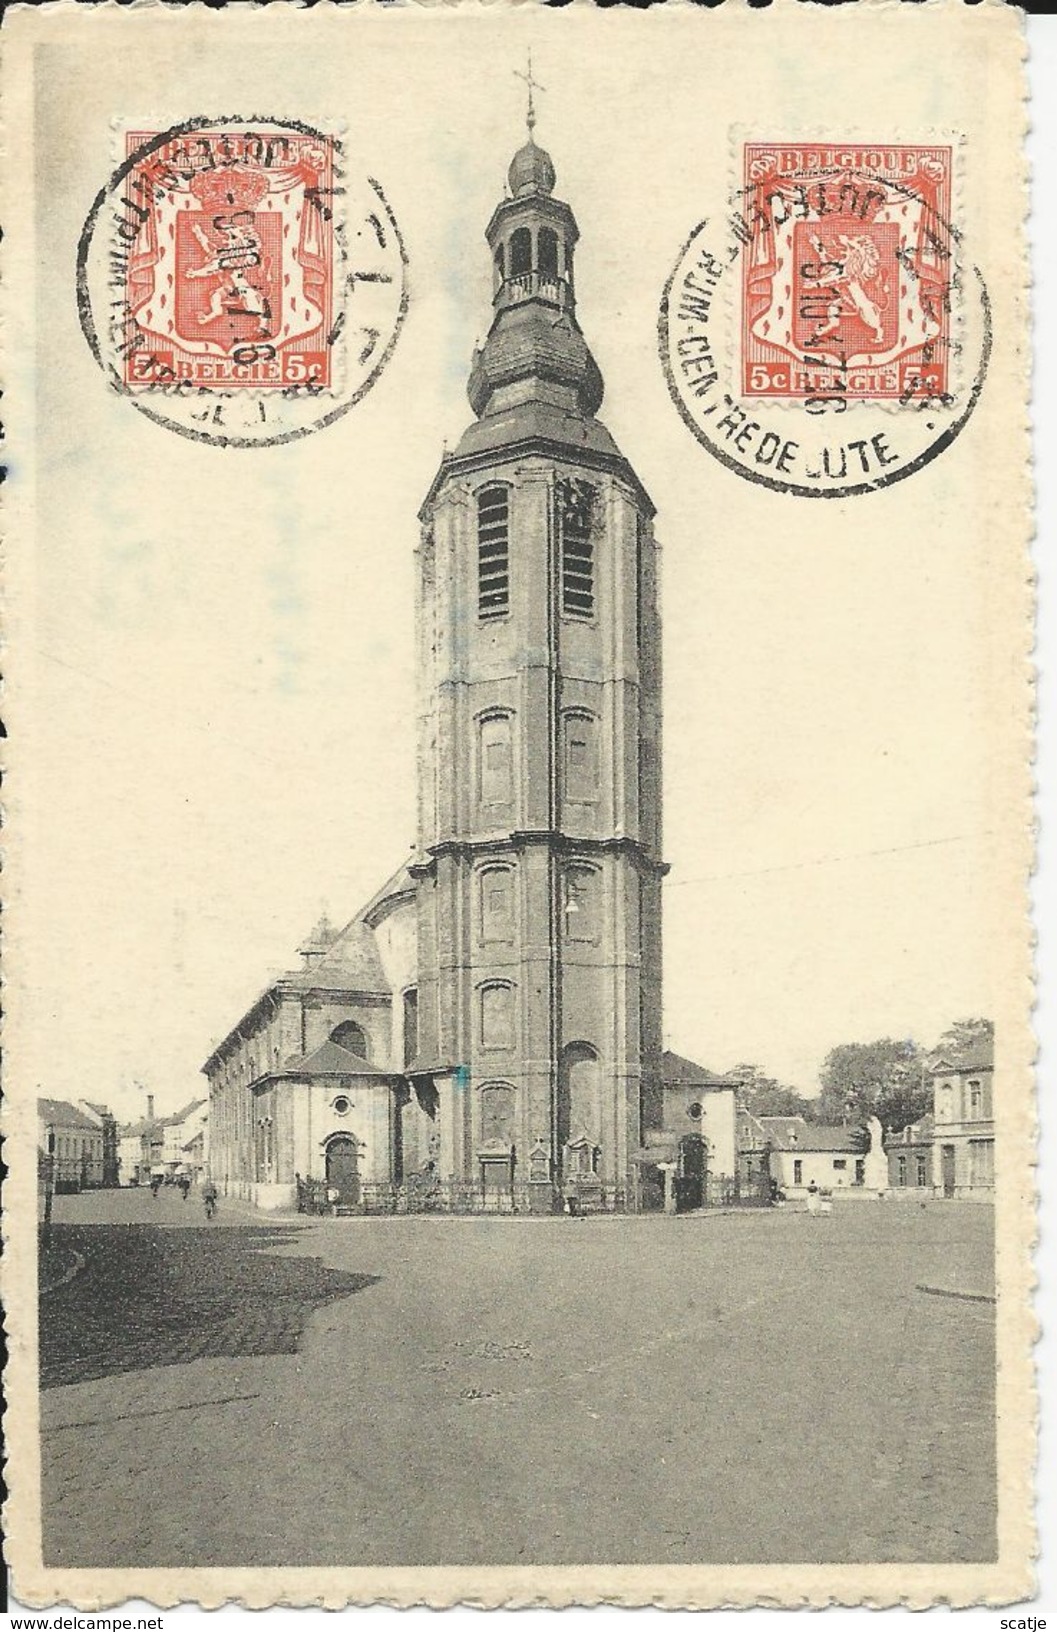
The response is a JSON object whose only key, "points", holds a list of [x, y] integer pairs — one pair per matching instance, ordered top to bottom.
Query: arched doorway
{"points": [[579, 1106], [343, 1169]]}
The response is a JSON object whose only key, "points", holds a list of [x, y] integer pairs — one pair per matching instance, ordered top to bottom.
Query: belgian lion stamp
{"points": [[229, 277], [846, 277], [238, 282], [825, 332]]}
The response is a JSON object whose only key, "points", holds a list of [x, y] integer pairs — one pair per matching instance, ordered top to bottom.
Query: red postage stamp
{"points": [[230, 259], [846, 271]]}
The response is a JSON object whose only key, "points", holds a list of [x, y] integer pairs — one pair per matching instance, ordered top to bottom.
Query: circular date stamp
{"points": [[237, 283], [825, 334]]}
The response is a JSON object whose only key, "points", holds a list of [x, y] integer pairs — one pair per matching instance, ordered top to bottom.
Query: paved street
{"points": [[152, 1296], [761, 1387]]}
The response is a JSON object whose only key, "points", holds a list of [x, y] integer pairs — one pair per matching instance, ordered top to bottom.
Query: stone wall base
{"points": [[272, 1198]]}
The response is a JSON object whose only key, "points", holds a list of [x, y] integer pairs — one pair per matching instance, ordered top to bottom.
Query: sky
{"points": [[222, 639]]}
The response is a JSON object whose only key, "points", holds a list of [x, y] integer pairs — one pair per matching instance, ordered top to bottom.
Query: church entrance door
{"points": [[693, 1164], [343, 1170]]}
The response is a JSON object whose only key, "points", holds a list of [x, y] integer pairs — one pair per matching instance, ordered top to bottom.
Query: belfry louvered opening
{"points": [[578, 551], [493, 552]]}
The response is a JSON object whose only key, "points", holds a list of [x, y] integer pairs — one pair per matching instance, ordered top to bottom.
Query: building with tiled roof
{"points": [[302, 1087], [697, 1100], [106, 1122], [796, 1133], [73, 1138], [803, 1153]]}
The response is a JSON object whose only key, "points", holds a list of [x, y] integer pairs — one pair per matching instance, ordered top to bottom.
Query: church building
{"points": [[490, 1023]]}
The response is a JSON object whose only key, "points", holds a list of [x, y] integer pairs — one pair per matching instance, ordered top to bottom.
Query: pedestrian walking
{"points": [[185, 1184], [209, 1197]]}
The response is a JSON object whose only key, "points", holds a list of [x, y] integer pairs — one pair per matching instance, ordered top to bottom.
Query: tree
{"points": [[964, 1038], [885, 1079], [765, 1096]]}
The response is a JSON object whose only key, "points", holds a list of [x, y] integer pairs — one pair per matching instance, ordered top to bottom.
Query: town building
{"points": [[491, 1021], [312, 1083], [697, 1100], [106, 1121], [964, 1128], [181, 1131], [73, 1141], [164, 1144], [140, 1145], [753, 1151], [194, 1152], [803, 1153], [910, 1157]]}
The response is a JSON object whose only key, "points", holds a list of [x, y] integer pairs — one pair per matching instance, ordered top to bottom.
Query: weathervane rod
{"points": [[533, 84]]}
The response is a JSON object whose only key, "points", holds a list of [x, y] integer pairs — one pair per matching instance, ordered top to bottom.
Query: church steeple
{"points": [[534, 350], [539, 877]]}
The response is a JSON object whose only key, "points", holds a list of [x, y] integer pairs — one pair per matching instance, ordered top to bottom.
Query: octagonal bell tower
{"points": [[539, 818]]}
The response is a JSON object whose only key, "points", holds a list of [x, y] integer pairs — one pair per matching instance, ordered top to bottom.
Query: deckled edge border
{"points": [[1010, 1580]]}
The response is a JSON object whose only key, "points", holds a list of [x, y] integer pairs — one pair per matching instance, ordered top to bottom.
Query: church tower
{"points": [[539, 822]]}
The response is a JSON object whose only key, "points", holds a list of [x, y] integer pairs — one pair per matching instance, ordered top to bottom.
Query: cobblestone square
{"points": [[763, 1387]]}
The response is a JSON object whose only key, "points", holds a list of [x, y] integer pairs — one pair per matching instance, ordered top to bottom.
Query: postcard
{"points": [[519, 1071]]}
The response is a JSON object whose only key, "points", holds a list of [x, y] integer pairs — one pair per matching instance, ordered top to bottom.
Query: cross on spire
{"points": [[533, 85]]}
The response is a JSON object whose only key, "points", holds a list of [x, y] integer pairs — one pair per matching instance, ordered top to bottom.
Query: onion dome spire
{"points": [[531, 170], [534, 350]]}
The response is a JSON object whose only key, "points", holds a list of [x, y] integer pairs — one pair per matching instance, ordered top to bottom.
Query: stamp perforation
{"points": [[187, 236], [935, 367]]}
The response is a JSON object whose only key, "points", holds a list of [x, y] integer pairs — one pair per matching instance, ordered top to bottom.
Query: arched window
{"points": [[520, 251], [548, 253], [500, 271], [576, 504], [493, 552], [581, 757], [495, 759], [582, 902], [497, 903], [497, 1015], [410, 1025], [351, 1036], [579, 1098], [497, 1114]]}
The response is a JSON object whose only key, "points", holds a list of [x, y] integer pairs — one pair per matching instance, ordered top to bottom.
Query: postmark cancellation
{"points": [[846, 277], [240, 281], [825, 333]]}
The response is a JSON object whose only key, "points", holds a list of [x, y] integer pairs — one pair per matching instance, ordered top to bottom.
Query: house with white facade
{"points": [[803, 1153]]}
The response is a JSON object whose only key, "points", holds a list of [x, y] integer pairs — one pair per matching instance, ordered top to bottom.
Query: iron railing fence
{"points": [[722, 1191], [421, 1193], [424, 1194]]}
